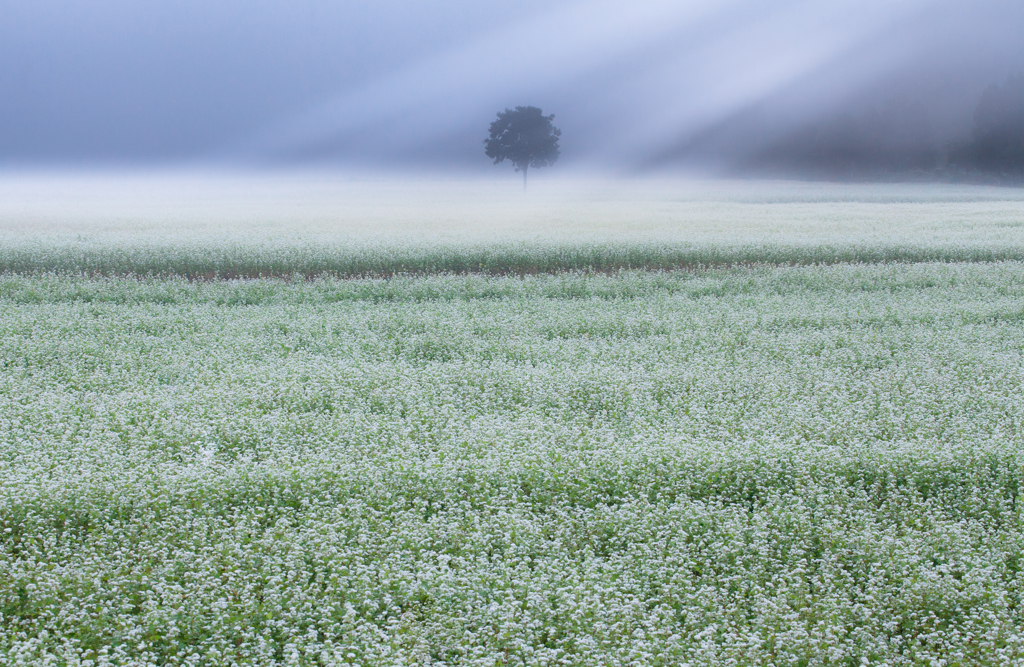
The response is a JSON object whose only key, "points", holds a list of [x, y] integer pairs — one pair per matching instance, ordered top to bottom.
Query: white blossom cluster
{"points": [[763, 466]]}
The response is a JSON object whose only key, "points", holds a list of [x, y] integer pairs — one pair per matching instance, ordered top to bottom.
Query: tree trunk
{"points": [[525, 167]]}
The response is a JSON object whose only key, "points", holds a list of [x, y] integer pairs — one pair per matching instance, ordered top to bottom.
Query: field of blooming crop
{"points": [[754, 461]]}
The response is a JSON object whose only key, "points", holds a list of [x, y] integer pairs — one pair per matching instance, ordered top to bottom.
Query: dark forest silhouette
{"points": [[889, 140], [896, 142], [996, 146]]}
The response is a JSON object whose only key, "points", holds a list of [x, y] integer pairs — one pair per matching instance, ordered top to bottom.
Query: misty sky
{"points": [[395, 82]]}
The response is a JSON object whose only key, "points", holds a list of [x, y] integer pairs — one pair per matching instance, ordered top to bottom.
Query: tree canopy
{"points": [[525, 137]]}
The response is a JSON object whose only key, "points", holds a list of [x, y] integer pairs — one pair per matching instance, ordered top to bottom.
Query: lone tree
{"points": [[525, 137]]}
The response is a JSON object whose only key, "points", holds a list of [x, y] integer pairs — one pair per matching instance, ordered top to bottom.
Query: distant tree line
{"points": [[896, 141], [996, 146]]}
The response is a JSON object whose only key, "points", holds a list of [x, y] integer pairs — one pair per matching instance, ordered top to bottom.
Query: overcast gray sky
{"points": [[395, 82]]}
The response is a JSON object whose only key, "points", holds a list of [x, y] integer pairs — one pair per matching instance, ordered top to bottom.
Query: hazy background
{"points": [[826, 89]]}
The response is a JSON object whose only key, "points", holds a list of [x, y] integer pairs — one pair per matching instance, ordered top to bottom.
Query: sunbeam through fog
{"points": [[635, 85]]}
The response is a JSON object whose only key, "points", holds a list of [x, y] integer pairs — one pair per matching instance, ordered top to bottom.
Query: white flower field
{"points": [[754, 461]]}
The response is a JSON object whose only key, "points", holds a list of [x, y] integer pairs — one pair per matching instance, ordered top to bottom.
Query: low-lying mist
{"points": [[209, 225]]}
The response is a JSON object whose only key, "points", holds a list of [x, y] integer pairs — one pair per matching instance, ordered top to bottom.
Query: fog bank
{"points": [[729, 86]]}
